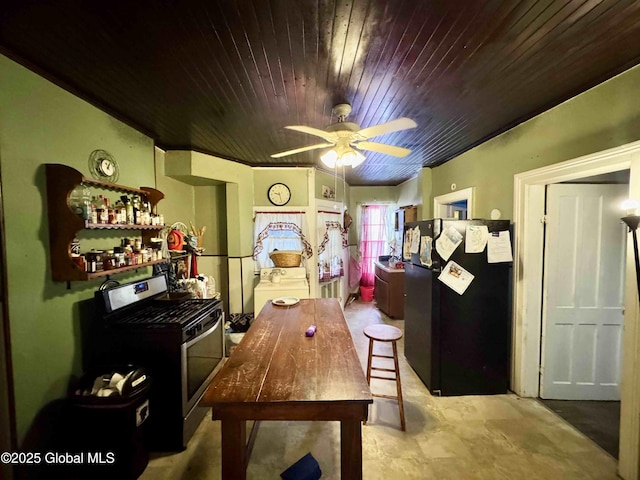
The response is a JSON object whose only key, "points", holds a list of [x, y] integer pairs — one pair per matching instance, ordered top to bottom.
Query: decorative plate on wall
{"points": [[103, 166]]}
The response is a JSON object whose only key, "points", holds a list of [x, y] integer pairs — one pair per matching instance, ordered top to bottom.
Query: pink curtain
{"points": [[372, 240]]}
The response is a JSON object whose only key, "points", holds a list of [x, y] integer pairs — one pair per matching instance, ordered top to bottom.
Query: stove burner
{"points": [[162, 315]]}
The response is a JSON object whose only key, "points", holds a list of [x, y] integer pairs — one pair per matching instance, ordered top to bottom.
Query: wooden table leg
{"points": [[234, 449], [351, 449]]}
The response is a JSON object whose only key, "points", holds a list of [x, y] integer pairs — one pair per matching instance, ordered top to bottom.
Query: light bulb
{"points": [[348, 157], [330, 158], [359, 158], [630, 206]]}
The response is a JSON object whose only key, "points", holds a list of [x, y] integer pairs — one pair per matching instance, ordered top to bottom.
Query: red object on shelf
{"points": [[194, 265]]}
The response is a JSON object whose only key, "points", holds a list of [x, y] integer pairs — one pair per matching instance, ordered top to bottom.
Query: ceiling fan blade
{"points": [[402, 123], [328, 136], [382, 148], [301, 149]]}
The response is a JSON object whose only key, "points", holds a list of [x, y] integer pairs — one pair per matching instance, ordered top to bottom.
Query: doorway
{"points": [[458, 205], [528, 213], [583, 293]]}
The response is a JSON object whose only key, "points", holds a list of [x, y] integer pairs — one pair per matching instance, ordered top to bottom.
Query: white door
{"points": [[583, 292]]}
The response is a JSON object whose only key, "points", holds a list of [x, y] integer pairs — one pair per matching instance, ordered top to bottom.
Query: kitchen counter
{"points": [[385, 267], [389, 289]]}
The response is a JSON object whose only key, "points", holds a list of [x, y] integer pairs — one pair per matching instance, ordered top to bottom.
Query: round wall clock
{"points": [[103, 166], [279, 194]]}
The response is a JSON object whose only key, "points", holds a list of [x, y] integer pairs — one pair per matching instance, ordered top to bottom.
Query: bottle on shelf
{"points": [[86, 202], [128, 206], [94, 210], [136, 210], [111, 212], [103, 213], [149, 213], [142, 214], [121, 215]]}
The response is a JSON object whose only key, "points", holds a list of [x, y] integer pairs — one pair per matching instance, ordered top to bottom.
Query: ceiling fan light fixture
{"points": [[346, 139], [342, 156], [330, 158], [352, 158]]}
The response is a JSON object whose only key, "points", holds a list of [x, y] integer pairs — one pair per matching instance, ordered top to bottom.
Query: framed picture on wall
{"points": [[328, 192]]}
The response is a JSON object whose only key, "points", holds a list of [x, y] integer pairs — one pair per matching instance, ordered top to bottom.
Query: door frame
{"points": [[442, 200], [528, 210], [8, 433]]}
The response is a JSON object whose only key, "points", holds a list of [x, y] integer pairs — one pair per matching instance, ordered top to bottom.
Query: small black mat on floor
{"points": [[240, 322], [600, 421]]}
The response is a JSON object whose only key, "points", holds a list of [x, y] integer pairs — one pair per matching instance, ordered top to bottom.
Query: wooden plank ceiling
{"points": [[225, 77]]}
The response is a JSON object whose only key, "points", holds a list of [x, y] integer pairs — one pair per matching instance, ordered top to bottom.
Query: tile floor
{"points": [[600, 421], [471, 437]]}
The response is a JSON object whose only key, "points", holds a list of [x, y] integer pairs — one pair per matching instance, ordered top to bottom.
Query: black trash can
{"points": [[108, 412]]}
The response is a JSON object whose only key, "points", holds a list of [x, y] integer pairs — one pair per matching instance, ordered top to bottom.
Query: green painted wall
{"points": [[603, 117], [40, 123], [199, 169], [293, 177], [333, 181], [425, 187], [409, 193], [179, 197], [203, 205], [211, 212]]}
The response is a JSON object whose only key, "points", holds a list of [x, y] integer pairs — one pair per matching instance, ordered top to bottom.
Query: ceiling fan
{"points": [[347, 139]]}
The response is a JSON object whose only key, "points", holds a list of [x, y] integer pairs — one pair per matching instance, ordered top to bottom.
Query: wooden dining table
{"points": [[278, 373]]}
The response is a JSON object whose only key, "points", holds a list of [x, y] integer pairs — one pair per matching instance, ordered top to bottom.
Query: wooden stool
{"points": [[385, 333]]}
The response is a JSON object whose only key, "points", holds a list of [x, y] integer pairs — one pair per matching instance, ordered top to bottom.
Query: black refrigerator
{"points": [[458, 344]]}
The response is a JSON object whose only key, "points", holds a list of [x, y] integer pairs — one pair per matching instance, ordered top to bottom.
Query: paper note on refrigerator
{"points": [[476, 238], [415, 240], [448, 242], [406, 245], [499, 247], [425, 250], [456, 277]]}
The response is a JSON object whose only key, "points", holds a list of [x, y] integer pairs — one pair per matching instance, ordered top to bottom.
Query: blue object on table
{"points": [[307, 468]]}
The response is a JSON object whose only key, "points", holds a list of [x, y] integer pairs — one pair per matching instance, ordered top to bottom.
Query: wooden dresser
{"points": [[389, 290]]}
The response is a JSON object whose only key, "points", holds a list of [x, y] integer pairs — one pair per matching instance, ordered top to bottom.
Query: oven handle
{"points": [[205, 333]]}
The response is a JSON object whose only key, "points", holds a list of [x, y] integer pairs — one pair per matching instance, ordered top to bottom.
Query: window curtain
{"points": [[282, 231], [389, 232], [332, 240], [373, 240]]}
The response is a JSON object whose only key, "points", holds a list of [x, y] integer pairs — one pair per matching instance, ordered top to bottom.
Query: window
{"points": [[281, 231], [372, 245]]}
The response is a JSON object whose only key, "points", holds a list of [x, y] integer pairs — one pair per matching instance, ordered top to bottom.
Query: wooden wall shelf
{"points": [[65, 224]]}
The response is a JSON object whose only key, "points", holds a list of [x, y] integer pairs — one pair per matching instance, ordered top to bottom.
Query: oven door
{"points": [[200, 358]]}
